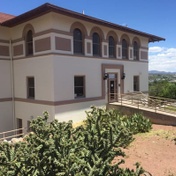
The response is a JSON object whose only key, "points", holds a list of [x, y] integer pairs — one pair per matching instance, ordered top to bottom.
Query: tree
{"points": [[163, 88]]}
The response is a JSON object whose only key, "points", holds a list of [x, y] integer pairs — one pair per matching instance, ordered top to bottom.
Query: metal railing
{"points": [[142, 100], [12, 134]]}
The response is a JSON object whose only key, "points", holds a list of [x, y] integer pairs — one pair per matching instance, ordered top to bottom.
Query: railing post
{"points": [[121, 99], [138, 103], [155, 106], [3, 135]]}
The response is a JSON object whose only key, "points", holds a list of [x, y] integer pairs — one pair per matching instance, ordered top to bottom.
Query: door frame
{"points": [[117, 68], [112, 92]]}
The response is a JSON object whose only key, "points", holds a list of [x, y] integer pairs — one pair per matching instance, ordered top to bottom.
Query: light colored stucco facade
{"points": [[54, 65]]}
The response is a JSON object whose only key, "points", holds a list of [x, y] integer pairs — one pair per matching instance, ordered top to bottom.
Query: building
{"points": [[63, 62]]}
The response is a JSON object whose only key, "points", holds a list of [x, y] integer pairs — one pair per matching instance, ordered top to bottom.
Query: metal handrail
{"points": [[141, 100], [11, 134]]}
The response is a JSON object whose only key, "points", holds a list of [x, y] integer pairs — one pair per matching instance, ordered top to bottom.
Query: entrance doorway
{"points": [[136, 83], [112, 87], [19, 125]]}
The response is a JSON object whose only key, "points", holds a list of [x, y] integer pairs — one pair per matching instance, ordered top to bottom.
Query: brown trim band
{"points": [[48, 31], [52, 31], [18, 40], [4, 41], [74, 55], [8, 59], [5, 99], [78, 100], [43, 102], [57, 103]]}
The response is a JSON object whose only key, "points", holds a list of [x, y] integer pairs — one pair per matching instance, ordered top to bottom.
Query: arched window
{"points": [[78, 41], [29, 43], [96, 44], [111, 47], [124, 49], [135, 51]]}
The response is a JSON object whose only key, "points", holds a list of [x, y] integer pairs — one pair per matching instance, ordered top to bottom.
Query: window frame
{"points": [[78, 42], [29, 43], [96, 44], [112, 47], [124, 49], [135, 50], [30, 94], [76, 94]]}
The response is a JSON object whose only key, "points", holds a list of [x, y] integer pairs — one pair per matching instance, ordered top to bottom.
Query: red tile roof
{"points": [[5, 17]]}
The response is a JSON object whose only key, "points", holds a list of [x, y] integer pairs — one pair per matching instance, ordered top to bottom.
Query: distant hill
{"points": [[161, 72]]}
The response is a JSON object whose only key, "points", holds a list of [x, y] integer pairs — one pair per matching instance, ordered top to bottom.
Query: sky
{"points": [[157, 17]]}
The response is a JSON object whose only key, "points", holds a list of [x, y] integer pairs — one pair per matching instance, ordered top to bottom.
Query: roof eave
{"points": [[46, 8], [41, 10], [156, 39]]}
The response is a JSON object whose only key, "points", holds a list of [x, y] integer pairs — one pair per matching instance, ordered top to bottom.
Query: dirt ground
{"points": [[155, 151]]}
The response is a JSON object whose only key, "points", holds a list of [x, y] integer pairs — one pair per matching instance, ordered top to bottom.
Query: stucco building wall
{"points": [[53, 64]]}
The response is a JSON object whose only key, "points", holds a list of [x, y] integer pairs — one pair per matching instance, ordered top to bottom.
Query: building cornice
{"points": [[47, 8]]}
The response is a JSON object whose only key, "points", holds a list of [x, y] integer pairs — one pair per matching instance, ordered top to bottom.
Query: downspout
{"points": [[12, 86]]}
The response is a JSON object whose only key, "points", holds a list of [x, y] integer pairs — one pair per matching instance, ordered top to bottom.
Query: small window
{"points": [[78, 41], [29, 43], [96, 44], [111, 47], [124, 49], [135, 51], [79, 86], [30, 87], [19, 123]]}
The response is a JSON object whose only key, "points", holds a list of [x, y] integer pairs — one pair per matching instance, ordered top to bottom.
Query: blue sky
{"points": [[152, 16]]}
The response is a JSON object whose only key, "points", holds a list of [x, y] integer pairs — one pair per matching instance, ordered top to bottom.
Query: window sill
{"points": [[79, 54], [112, 57], [81, 97], [31, 98]]}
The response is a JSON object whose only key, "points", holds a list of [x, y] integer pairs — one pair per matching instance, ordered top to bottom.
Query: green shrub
{"points": [[137, 123], [133, 124], [58, 149]]}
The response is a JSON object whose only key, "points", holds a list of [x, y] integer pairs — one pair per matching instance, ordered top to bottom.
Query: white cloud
{"points": [[155, 49], [162, 59]]}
